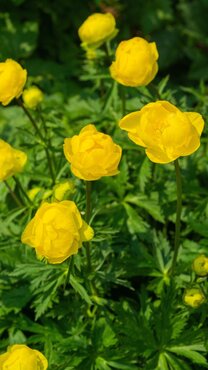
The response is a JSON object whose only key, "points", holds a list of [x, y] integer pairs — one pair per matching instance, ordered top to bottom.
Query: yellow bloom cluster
{"points": [[97, 29], [136, 62], [12, 80], [164, 131], [92, 154], [11, 160], [57, 231], [19, 356]]}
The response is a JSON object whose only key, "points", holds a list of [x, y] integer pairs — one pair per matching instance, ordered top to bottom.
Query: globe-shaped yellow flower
{"points": [[97, 29], [135, 63], [12, 80], [32, 97], [164, 131], [92, 154], [11, 160], [57, 231], [200, 265], [194, 297], [21, 357]]}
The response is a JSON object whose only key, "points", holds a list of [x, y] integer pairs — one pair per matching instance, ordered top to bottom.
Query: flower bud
{"points": [[97, 29], [32, 97], [63, 189], [33, 192], [200, 265], [194, 297]]}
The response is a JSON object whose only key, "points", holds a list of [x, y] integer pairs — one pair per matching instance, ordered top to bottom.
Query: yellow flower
{"points": [[97, 29], [136, 62], [12, 80], [32, 97], [164, 131], [92, 154], [11, 160], [62, 189], [57, 231], [200, 265], [194, 297], [19, 356]]}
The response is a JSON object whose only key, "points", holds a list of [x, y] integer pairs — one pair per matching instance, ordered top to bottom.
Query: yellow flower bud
{"points": [[97, 29], [136, 62], [12, 80], [32, 97], [164, 131], [92, 154], [11, 160], [62, 189], [33, 192], [47, 193], [57, 231], [200, 265], [194, 297], [19, 356]]}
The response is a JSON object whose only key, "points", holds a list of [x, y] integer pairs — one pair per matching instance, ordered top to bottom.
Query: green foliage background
{"points": [[136, 318]]}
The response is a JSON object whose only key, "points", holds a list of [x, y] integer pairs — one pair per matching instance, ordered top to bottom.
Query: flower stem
{"points": [[110, 97], [123, 100], [31, 119], [39, 133], [49, 158], [21, 189], [14, 196], [178, 215], [87, 219], [70, 266]]}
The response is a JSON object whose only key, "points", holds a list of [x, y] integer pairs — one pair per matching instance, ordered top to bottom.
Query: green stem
{"points": [[110, 96], [123, 99], [31, 119], [39, 133], [50, 160], [21, 189], [16, 199], [178, 215], [87, 219], [71, 264]]}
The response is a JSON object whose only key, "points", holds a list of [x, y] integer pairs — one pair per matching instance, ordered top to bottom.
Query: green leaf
{"points": [[145, 173], [150, 205], [135, 223], [80, 289], [190, 353], [162, 363], [176, 363], [101, 364], [121, 366]]}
